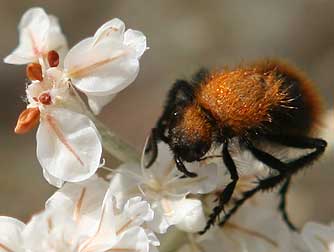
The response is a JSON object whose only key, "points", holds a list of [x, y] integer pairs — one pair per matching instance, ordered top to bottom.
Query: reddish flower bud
{"points": [[53, 58], [34, 71], [45, 99], [27, 120]]}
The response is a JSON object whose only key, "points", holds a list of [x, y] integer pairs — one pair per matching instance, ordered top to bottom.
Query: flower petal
{"points": [[33, 29], [113, 29], [39, 33], [56, 40], [136, 40], [103, 69], [96, 103], [68, 145], [164, 166], [52, 180], [205, 182], [124, 183], [83, 199], [138, 211], [186, 214], [190, 215], [50, 228], [10, 234], [318, 237], [134, 239]]}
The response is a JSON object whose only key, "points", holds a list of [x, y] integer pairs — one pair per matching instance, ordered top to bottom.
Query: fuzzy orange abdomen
{"points": [[266, 96], [241, 99]]}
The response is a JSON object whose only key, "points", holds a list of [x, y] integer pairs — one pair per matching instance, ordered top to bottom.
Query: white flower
{"points": [[39, 34], [103, 65], [100, 66], [68, 144], [163, 187], [82, 217], [257, 227], [10, 235], [318, 237]]}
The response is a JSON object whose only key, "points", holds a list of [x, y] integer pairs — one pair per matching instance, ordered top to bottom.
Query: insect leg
{"points": [[302, 143], [181, 167], [281, 167], [289, 169], [264, 184], [226, 195], [282, 205]]}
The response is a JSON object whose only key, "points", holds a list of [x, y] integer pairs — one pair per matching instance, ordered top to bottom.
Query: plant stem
{"points": [[113, 144], [173, 240]]}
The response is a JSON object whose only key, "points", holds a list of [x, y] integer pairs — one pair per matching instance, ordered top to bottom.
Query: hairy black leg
{"points": [[302, 143], [266, 158], [180, 166], [281, 167], [290, 168], [263, 185], [226, 194], [282, 205]]}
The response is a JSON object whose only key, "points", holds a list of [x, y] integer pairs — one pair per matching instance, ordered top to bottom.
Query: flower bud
{"points": [[53, 58], [34, 71], [45, 99], [27, 120]]}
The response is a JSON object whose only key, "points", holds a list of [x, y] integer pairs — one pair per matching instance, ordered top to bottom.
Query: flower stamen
{"points": [[33, 42], [53, 58], [34, 71], [78, 72], [45, 99], [27, 120], [52, 122], [78, 205], [126, 225], [4, 247]]}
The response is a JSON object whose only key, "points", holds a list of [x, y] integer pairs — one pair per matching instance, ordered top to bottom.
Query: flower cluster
{"points": [[68, 144], [125, 210], [82, 217]]}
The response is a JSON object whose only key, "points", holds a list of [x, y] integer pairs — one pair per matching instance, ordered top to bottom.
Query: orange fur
{"points": [[308, 88], [241, 99], [194, 123]]}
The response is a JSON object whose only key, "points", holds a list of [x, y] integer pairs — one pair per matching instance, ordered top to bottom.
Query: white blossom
{"points": [[39, 34], [102, 65], [68, 144], [163, 187], [82, 217], [256, 227], [10, 234], [318, 237]]}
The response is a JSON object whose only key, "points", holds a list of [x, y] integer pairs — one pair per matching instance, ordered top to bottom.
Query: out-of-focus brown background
{"points": [[183, 36]]}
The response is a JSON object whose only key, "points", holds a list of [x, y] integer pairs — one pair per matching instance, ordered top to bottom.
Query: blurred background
{"points": [[182, 36]]}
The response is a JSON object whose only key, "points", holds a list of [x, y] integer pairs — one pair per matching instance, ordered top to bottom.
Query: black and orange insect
{"points": [[265, 101]]}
